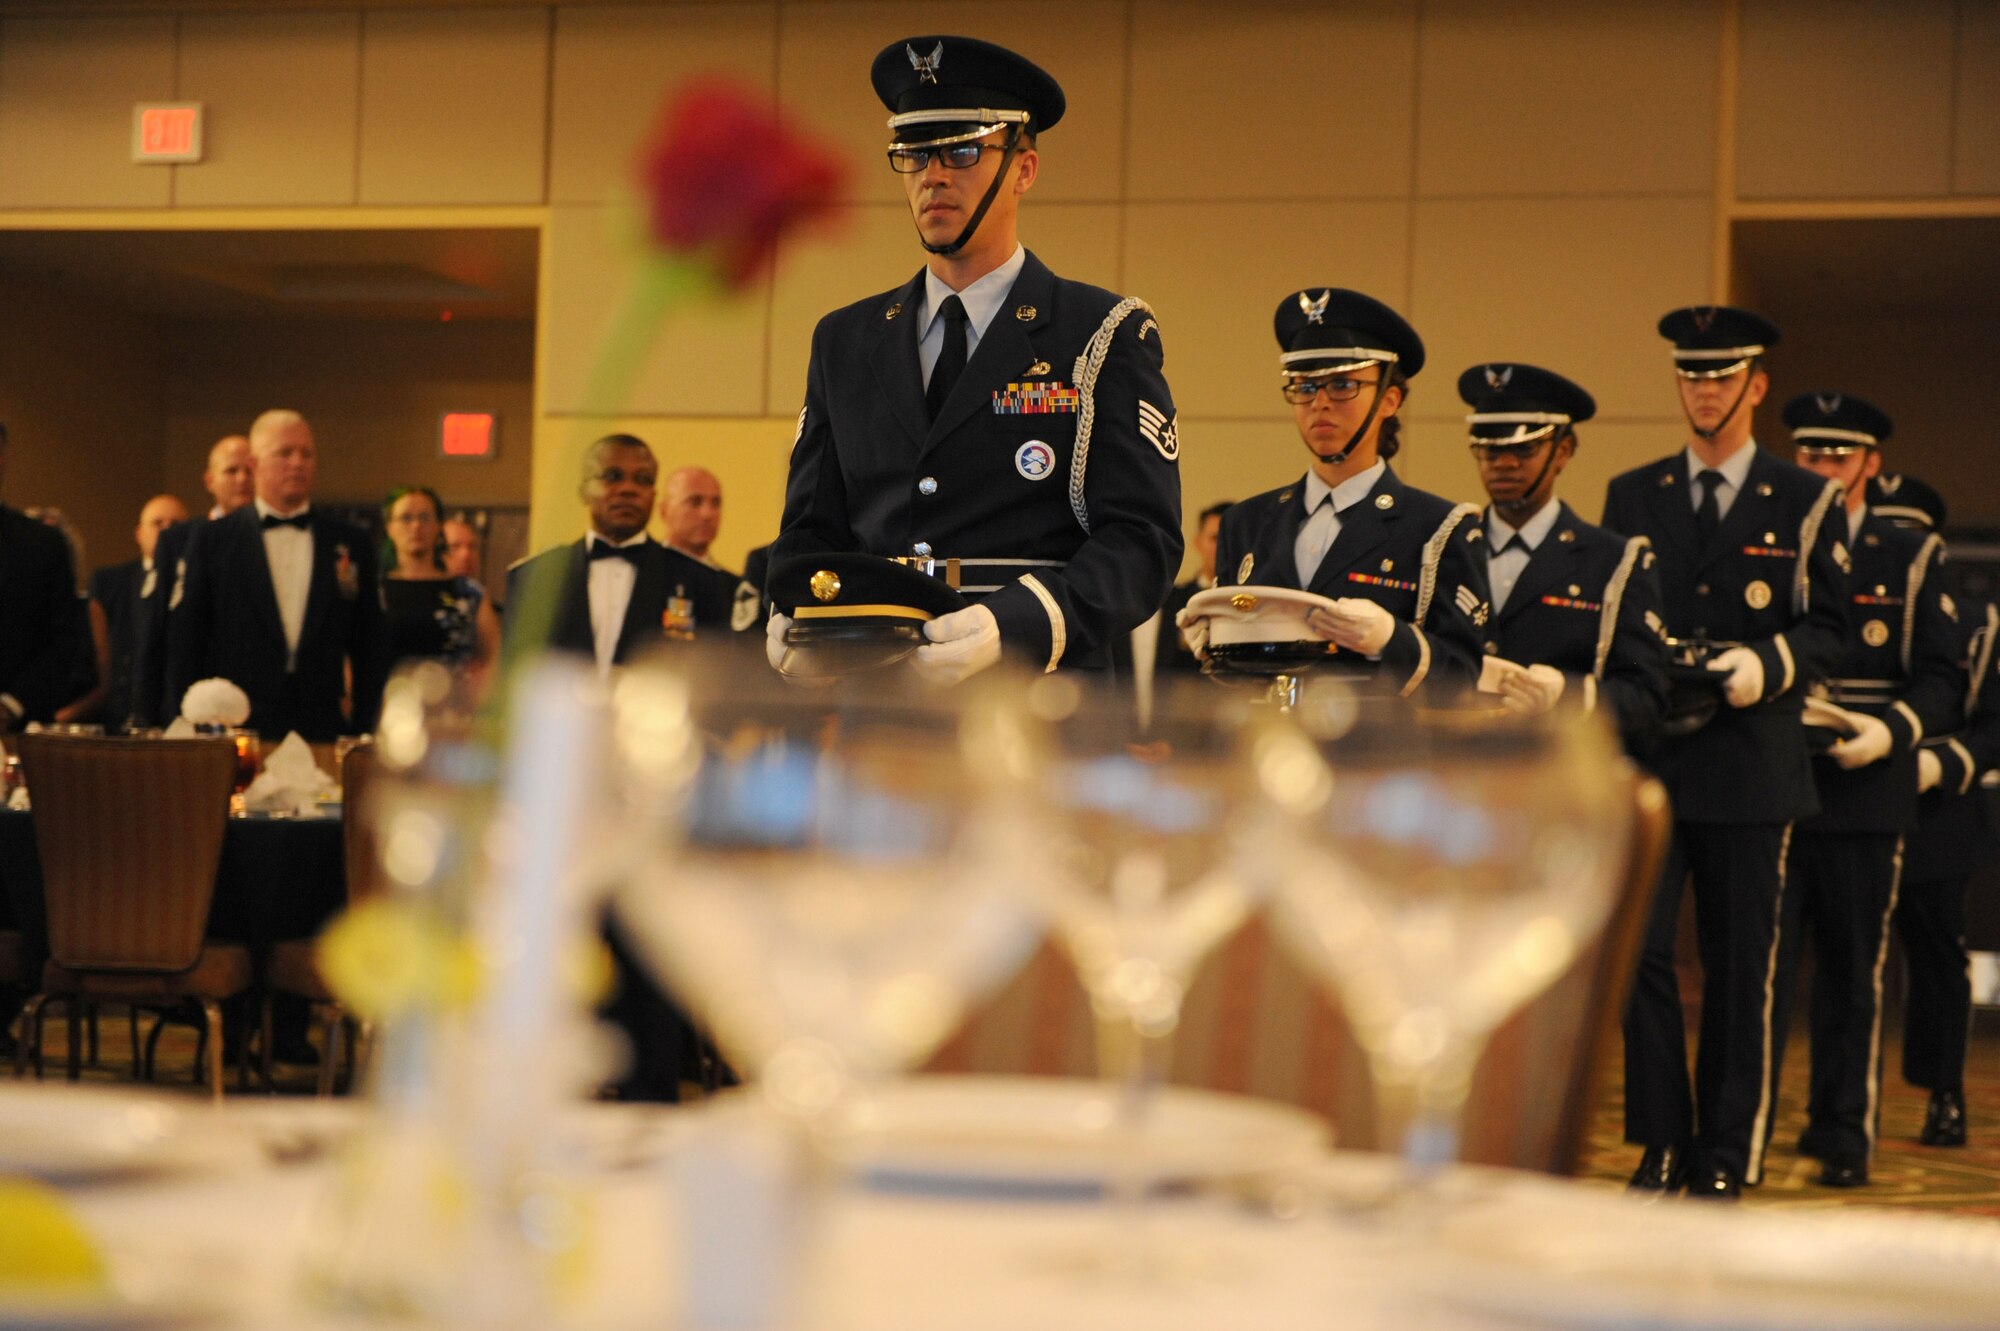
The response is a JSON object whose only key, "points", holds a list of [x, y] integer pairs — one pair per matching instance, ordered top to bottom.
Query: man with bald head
{"points": [[227, 477], [691, 509], [281, 599], [119, 600]]}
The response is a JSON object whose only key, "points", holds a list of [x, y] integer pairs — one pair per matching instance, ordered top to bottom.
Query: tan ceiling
{"points": [[365, 274]]}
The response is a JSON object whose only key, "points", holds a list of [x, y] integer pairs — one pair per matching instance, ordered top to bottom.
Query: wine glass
{"points": [[1438, 870]]}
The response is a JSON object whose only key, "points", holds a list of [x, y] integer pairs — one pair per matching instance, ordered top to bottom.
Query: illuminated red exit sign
{"points": [[166, 132], [467, 434]]}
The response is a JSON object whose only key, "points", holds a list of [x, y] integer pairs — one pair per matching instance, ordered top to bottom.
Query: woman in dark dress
{"points": [[432, 613]]}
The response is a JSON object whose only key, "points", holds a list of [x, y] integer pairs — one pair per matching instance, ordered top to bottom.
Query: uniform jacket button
{"points": [[927, 486], [922, 549], [1701, 589]]}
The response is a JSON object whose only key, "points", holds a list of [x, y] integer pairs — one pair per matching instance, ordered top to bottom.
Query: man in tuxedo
{"points": [[228, 482], [618, 591], [118, 592], [282, 600], [41, 643]]}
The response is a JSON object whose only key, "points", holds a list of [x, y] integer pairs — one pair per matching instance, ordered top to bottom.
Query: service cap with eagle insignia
{"points": [[942, 86], [1329, 330], [1715, 341], [1513, 403], [1836, 423], [1907, 501], [853, 612], [1261, 630]]}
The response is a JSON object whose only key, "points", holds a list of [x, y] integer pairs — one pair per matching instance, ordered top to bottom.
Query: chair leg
{"points": [[211, 1013], [73, 1014], [132, 1024], [333, 1024], [90, 1033], [31, 1037], [153, 1042], [264, 1059]]}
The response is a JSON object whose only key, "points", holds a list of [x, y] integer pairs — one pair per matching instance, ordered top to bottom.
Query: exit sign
{"points": [[166, 132], [467, 434]]}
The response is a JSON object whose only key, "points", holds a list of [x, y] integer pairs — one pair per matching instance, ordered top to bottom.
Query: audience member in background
{"points": [[227, 480], [691, 509], [464, 552], [116, 594], [282, 600], [429, 611], [41, 636], [1175, 655], [87, 672]]}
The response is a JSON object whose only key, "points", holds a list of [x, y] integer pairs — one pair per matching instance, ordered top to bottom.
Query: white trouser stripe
{"points": [[1875, 1031], [1754, 1171]]}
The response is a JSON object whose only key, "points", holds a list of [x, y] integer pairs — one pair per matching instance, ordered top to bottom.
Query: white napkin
{"points": [[182, 728], [290, 782]]}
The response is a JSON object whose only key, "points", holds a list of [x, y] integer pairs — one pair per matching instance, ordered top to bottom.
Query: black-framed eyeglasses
{"points": [[955, 156], [1338, 388]]}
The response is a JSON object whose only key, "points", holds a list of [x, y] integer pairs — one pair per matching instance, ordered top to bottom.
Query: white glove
{"points": [[1356, 624], [1194, 632], [774, 638], [962, 644], [1745, 670], [1532, 691], [1871, 743], [1929, 770]]}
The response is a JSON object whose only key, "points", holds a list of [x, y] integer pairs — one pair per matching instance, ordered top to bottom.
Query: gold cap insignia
{"points": [[1025, 313], [825, 585], [1757, 595], [1243, 601], [1874, 633]]}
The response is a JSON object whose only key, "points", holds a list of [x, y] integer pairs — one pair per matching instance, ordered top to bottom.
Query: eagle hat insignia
{"points": [[926, 65], [1315, 310], [1703, 315], [1499, 376], [1828, 403], [1243, 569], [825, 585], [1757, 595], [1243, 601]]}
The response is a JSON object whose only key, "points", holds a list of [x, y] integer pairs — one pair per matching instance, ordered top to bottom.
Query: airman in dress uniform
{"points": [[1006, 428], [1751, 563], [1405, 568], [1576, 610], [1895, 682]]}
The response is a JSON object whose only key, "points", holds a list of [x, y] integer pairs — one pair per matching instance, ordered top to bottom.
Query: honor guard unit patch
{"points": [[1037, 399], [1161, 433], [1035, 460]]}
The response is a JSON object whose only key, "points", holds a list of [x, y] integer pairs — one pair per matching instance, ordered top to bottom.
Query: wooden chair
{"points": [[130, 835], [291, 967], [1255, 1024]]}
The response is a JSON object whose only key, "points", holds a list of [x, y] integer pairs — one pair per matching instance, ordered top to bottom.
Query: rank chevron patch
{"points": [[1159, 431]]}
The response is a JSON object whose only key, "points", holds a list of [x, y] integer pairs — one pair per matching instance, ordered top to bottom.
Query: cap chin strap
{"points": [[992, 192], [1741, 393], [1354, 440], [1522, 503]]}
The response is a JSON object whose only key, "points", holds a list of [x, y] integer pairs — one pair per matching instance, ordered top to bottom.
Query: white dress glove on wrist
{"points": [[1355, 624], [1194, 632], [774, 638], [962, 644], [1744, 669], [1533, 690], [1870, 743], [1929, 770]]}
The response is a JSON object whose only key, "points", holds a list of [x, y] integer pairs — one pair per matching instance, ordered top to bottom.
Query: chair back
{"points": [[359, 832], [129, 833], [1255, 1024]]}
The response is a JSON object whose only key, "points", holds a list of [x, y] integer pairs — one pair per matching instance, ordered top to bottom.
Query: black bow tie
{"points": [[303, 521], [606, 550]]}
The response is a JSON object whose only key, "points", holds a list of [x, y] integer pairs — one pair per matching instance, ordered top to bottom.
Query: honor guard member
{"points": [[1007, 429], [1750, 556], [1404, 567], [1576, 610], [1895, 683], [1952, 840]]}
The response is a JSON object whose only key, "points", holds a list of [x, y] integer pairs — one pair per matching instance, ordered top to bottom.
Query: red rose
{"points": [[725, 177]]}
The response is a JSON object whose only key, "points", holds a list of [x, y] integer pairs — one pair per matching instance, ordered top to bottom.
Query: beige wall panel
{"points": [[824, 51], [614, 69], [66, 92], [280, 92], [1553, 97], [1227, 98], [1844, 98], [454, 106], [1976, 137], [877, 250], [1216, 271], [1576, 286], [707, 359], [373, 390], [747, 456], [1234, 459]]}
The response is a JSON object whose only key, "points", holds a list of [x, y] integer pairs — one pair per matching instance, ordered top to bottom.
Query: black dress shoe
{"points": [[1944, 1121], [1809, 1145], [1660, 1170], [1844, 1174], [1714, 1184]]}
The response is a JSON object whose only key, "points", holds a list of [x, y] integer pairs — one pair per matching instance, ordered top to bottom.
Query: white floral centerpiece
{"points": [[216, 703]]}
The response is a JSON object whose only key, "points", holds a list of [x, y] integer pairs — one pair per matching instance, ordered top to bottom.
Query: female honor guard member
{"points": [[1006, 429], [1750, 562], [1404, 567], [1576, 610], [1895, 682]]}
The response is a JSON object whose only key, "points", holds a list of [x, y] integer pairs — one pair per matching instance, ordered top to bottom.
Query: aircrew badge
{"points": [[1243, 569], [345, 577], [1757, 595], [743, 610], [1875, 633]]}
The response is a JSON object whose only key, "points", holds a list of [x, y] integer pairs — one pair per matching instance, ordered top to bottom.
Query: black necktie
{"points": [[951, 356], [1708, 514], [303, 521], [606, 550]]}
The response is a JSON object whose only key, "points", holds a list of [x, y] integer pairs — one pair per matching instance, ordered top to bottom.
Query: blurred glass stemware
{"points": [[1439, 869]]}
